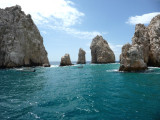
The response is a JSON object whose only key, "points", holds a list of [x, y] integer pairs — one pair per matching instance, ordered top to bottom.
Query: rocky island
{"points": [[20, 41], [145, 48], [101, 52], [81, 57], [65, 60]]}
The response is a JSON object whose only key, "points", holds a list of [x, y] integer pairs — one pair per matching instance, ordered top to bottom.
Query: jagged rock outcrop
{"points": [[154, 34], [141, 38], [20, 41], [145, 48], [101, 52], [81, 57], [132, 58], [65, 60]]}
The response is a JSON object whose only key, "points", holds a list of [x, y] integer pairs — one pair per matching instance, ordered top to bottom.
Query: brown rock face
{"points": [[154, 34], [141, 38], [20, 41], [145, 48], [101, 52], [81, 57], [132, 58], [65, 60]]}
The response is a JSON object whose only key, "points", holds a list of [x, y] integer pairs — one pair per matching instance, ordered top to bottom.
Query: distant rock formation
{"points": [[20, 41], [145, 48], [101, 52], [81, 57], [65, 60]]}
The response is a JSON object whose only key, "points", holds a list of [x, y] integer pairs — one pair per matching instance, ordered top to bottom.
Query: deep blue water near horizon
{"points": [[94, 92]]}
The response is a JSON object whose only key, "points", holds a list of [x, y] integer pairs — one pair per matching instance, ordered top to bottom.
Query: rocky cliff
{"points": [[154, 36], [20, 41], [145, 48], [101, 52], [81, 57], [65, 60]]}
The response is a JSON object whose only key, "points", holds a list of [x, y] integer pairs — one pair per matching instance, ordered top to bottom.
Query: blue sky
{"points": [[67, 25]]}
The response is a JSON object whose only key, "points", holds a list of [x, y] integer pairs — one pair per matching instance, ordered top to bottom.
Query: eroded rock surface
{"points": [[154, 34], [20, 41], [145, 48], [101, 52], [81, 57], [132, 58], [65, 60]]}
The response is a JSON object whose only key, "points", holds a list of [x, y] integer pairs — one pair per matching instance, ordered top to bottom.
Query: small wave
{"points": [[54, 66], [154, 67], [20, 69], [114, 70], [35, 115]]}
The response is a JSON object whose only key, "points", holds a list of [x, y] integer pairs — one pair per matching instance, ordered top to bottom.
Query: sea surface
{"points": [[79, 92]]}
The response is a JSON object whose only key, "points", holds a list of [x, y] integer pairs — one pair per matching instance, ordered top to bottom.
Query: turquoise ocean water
{"points": [[94, 92]]}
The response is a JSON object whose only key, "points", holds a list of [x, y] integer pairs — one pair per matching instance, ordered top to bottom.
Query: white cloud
{"points": [[44, 10], [59, 15], [143, 19], [77, 33]]}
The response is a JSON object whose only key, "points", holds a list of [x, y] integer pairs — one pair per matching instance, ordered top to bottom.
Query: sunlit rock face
{"points": [[154, 34], [20, 41], [145, 48], [101, 52], [81, 57], [132, 58], [65, 60]]}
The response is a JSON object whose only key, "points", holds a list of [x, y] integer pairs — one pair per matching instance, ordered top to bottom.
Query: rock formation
{"points": [[154, 34], [20, 41], [145, 48], [101, 52], [81, 57], [132, 58], [65, 60]]}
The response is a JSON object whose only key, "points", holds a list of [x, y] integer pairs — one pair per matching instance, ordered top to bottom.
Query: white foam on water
{"points": [[54, 66], [154, 67], [113, 70], [35, 115]]}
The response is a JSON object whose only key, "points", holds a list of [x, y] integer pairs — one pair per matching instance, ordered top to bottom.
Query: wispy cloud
{"points": [[60, 11], [56, 14], [143, 19], [43, 32], [77, 33]]}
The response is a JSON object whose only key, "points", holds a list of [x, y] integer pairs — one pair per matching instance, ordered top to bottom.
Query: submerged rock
{"points": [[20, 41], [145, 48], [100, 51], [81, 57], [65, 60]]}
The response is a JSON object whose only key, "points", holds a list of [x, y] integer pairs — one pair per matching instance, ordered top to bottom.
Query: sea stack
{"points": [[154, 36], [20, 41], [145, 48], [101, 52], [81, 57], [65, 60]]}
